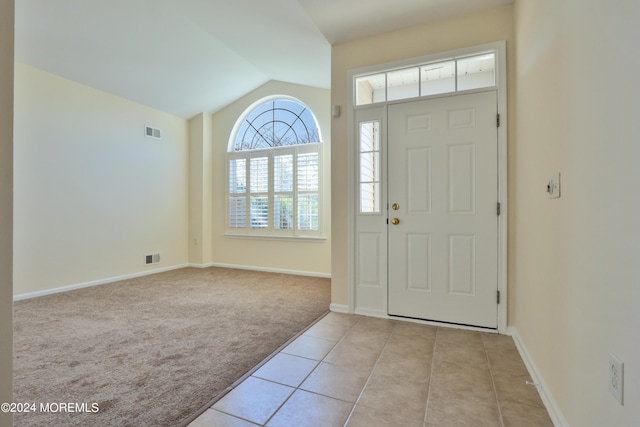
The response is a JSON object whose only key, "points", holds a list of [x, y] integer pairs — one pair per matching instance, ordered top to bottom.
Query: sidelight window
{"points": [[369, 167]]}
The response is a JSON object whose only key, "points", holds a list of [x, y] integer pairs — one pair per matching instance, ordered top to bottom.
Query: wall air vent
{"points": [[152, 132], [151, 259]]}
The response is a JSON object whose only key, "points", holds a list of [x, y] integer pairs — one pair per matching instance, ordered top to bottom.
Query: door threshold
{"points": [[446, 324]]}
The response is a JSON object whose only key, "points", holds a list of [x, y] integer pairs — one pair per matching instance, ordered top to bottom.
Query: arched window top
{"points": [[277, 122]]}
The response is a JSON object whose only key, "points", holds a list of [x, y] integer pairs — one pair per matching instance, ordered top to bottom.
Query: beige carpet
{"points": [[152, 351]]}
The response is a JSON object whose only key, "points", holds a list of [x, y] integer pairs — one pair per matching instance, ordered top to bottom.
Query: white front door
{"points": [[442, 194]]}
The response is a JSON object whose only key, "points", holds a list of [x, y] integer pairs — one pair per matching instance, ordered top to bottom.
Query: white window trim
{"points": [[270, 232]]}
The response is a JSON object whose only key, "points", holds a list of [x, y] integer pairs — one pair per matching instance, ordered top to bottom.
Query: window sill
{"points": [[314, 239]]}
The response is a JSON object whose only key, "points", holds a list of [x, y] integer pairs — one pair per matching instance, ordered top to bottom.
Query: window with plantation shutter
{"points": [[274, 172]]}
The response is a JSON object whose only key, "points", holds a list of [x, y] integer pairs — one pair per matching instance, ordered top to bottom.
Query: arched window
{"points": [[274, 171]]}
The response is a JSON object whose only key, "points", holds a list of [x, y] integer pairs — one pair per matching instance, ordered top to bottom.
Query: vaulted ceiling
{"points": [[189, 56]]}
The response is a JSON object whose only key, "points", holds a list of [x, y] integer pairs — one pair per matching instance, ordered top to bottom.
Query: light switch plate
{"points": [[553, 187]]}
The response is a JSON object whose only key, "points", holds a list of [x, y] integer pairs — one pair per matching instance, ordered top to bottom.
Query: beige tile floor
{"points": [[354, 371]]}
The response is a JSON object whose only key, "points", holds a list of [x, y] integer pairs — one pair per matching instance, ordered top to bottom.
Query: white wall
{"points": [[93, 195], [6, 204], [299, 256], [577, 280]]}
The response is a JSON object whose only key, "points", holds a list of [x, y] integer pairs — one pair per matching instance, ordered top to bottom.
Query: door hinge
{"points": [[498, 120], [498, 208], [498, 297]]}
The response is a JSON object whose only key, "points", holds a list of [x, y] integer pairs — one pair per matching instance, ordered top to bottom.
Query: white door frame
{"points": [[499, 48]]}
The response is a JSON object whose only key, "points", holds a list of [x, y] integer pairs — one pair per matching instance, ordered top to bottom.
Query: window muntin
{"points": [[453, 75], [274, 172]]}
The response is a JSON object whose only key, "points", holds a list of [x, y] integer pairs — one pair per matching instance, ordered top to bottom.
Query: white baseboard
{"points": [[207, 265], [266, 269], [95, 283], [35, 294], [339, 308], [371, 313], [549, 402]]}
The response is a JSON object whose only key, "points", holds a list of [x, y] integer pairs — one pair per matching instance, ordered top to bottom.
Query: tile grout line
{"points": [[335, 343], [433, 360], [370, 375], [305, 378], [493, 383], [235, 416]]}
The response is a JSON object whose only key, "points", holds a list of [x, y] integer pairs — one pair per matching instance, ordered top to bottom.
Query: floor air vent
{"points": [[151, 259]]}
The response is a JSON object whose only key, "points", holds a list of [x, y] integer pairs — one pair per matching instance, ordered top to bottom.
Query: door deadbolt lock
{"points": [[395, 206], [395, 221]]}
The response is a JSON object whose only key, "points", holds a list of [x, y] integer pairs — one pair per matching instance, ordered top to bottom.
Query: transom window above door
{"points": [[454, 75], [274, 172]]}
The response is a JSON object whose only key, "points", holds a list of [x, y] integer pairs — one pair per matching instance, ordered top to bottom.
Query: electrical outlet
{"points": [[616, 377]]}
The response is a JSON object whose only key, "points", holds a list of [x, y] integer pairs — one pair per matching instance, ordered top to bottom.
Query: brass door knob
{"points": [[395, 206], [395, 221]]}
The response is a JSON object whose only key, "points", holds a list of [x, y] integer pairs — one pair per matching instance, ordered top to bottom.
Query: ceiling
{"points": [[190, 56]]}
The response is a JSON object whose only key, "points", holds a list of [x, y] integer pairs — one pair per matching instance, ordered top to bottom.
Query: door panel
{"points": [[443, 176], [419, 180], [462, 191], [369, 244], [419, 273]]}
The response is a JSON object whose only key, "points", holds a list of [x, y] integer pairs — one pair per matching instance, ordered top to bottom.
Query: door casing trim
{"points": [[499, 48]]}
